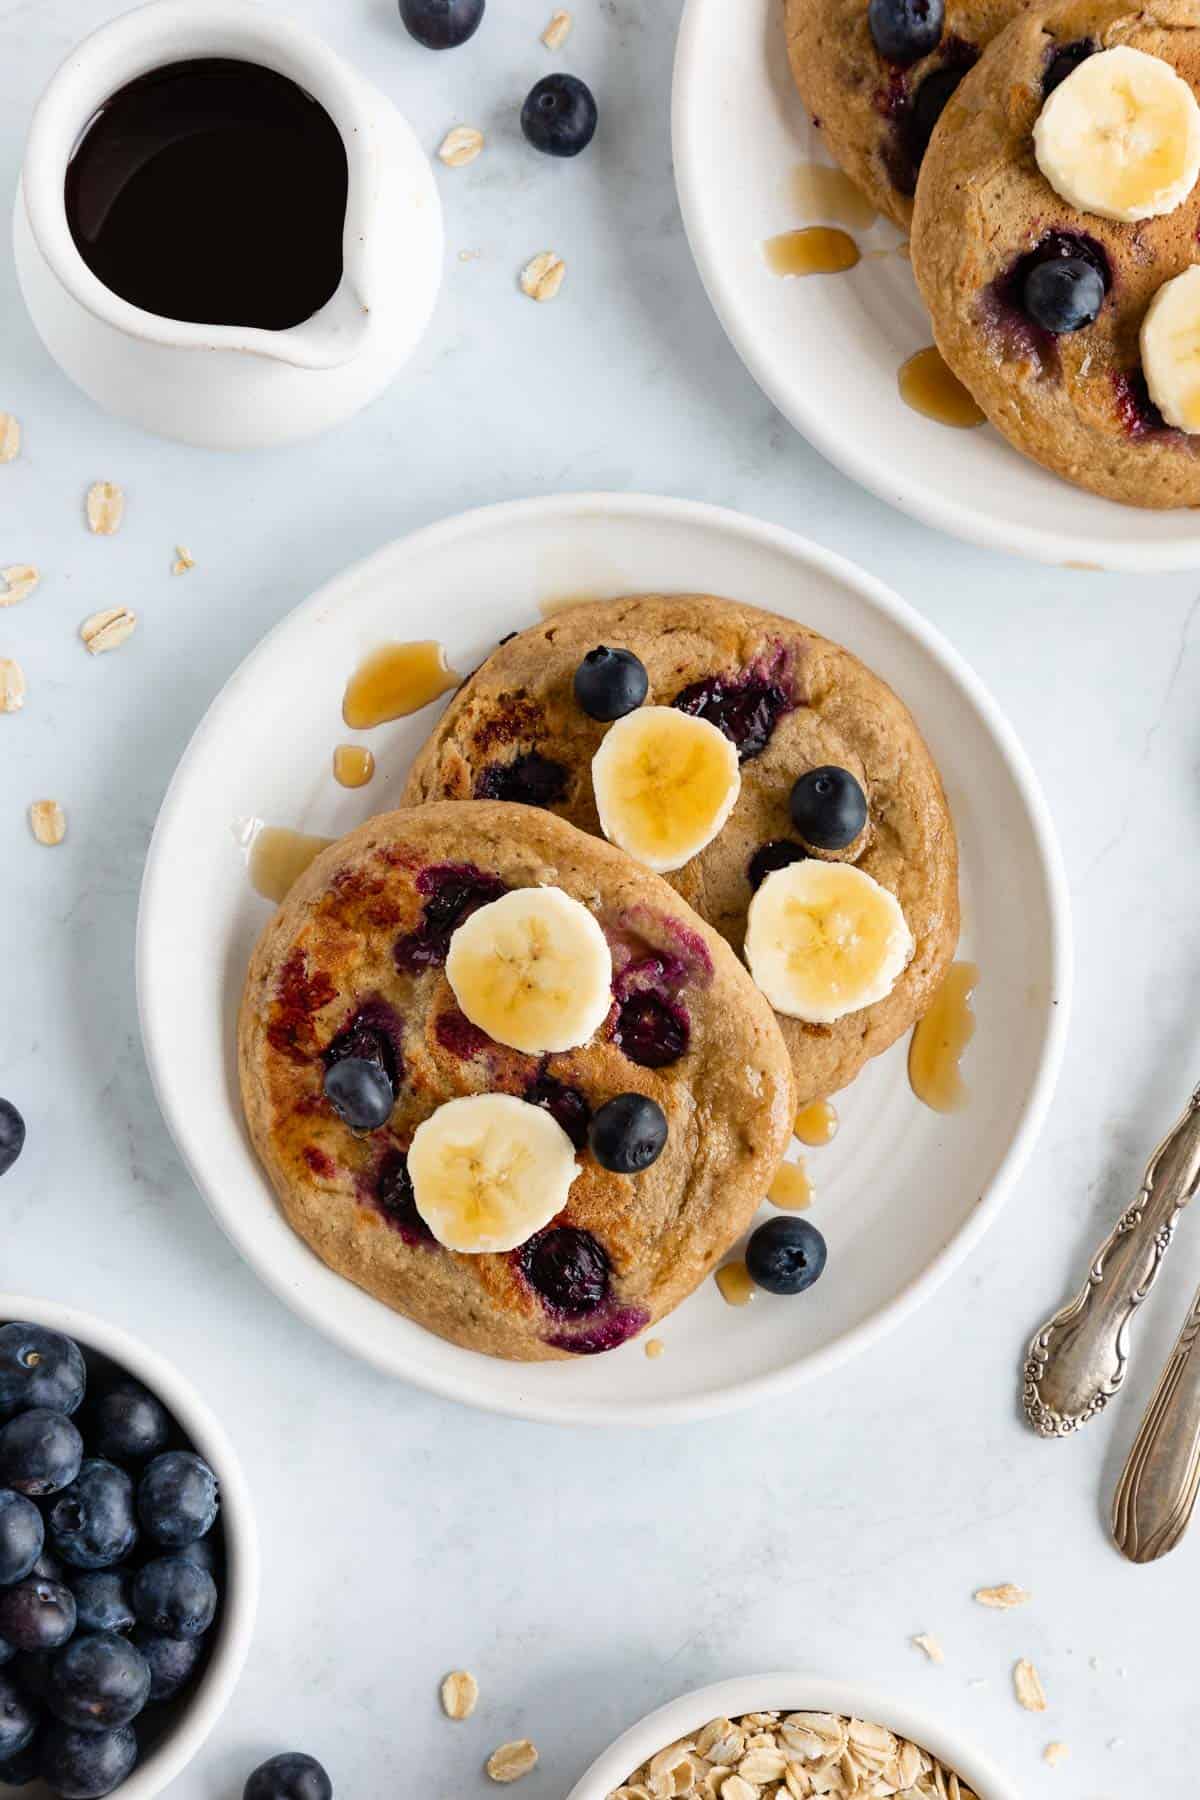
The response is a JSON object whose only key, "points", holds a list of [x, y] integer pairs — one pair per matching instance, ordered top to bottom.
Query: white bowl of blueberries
{"points": [[128, 1560]]}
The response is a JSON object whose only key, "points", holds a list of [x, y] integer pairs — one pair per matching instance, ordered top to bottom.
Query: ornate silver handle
{"points": [[1076, 1362], [1160, 1480]]}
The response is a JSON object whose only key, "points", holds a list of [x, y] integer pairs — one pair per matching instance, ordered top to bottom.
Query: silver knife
{"points": [[1077, 1361]]}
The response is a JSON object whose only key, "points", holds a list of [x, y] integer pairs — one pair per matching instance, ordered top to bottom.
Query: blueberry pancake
{"points": [[875, 75], [1054, 242], [811, 796], [506, 1081]]}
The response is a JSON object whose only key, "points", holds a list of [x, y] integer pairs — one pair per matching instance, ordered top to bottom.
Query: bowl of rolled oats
{"points": [[791, 1737]]}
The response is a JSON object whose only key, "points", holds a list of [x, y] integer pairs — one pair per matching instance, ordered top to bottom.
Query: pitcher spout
{"points": [[334, 336]]}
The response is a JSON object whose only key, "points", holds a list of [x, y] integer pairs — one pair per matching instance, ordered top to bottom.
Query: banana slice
{"points": [[1120, 136], [1170, 340], [665, 783], [823, 939], [532, 969], [488, 1171]]}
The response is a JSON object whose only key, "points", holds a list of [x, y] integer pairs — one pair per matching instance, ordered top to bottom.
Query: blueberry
{"points": [[442, 24], [906, 30], [1064, 60], [928, 105], [559, 117], [1063, 294], [610, 683], [746, 708], [530, 780], [828, 807], [768, 857], [651, 1030], [360, 1093], [566, 1105], [628, 1134], [12, 1135], [397, 1199], [785, 1256], [569, 1268], [39, 1368], [129, 1424], [40, 1452], [177, 1498], [91, 1524], [22, 1535], [205, 1552], [48, 1567], [174, 1596], [103, 1599], [37, 1615], [7, 1651], [172, 1661], [98, 1681], [18, 1718], [83, 1765], [24, 1767], [292, 1776]]}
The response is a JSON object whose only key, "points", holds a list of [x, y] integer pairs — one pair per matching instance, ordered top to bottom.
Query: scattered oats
{"points": [[557, 31], [460, 146], [469, 255], [542, 278], [10, 437], [105, 508], [184, 560], [19, 579], [108, 630], [12, 685], [48, 821], [654, 1348], [1008, 1594], [925, 1641], [1029, 1689], [460, 1691], [721, 1742], [1055, 1754], [511, 1761], [735, 1788]]}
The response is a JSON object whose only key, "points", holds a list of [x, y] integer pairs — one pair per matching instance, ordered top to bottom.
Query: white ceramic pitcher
{"points": [[229, 386]]}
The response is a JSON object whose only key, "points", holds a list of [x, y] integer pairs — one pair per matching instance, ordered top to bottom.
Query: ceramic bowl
{"points": [[784, 1692], [192, 1717]]}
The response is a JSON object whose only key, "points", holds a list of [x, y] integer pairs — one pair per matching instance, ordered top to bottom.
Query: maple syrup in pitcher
{"points": [[212, 191]]}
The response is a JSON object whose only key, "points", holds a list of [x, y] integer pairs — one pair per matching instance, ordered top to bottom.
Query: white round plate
{"points": [[826, 349], [901, 1194]]}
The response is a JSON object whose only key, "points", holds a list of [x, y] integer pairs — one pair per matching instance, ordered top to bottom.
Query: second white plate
{"points": [[826, 349], [902, 1194]]}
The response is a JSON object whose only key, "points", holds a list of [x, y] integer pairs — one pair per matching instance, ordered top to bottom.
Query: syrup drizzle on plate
{"points": [[929, 387], [394, 681], [278, 858], [939, 1042]]}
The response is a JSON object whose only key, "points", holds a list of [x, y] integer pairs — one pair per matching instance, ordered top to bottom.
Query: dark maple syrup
{"points": [[212, 191], [813, 250], [929, 387], [394, 681], [936, 1049], [816, 1123]]}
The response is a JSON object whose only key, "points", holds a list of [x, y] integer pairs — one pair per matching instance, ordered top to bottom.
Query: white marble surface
{"points": [[586, 1577]]}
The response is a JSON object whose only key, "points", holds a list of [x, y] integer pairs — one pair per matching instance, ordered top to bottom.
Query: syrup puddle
{"points": [[821, 192], [813, 250], [928, 386], [395, 681], [352, 765], [278, 858], [939, 1040], [816, 1123], [791, 1189], [735, 1284]]}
